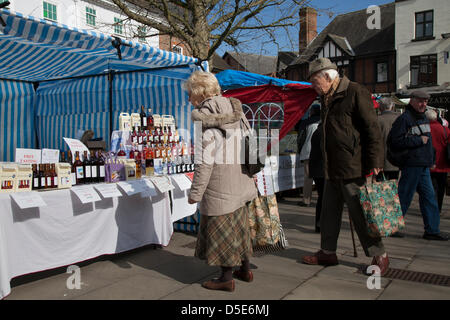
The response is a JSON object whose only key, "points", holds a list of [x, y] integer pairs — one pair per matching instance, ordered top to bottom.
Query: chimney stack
{"points": [[308, 27]]}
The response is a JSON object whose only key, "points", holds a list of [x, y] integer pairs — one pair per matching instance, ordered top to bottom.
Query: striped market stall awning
{"points": [[56, 80]]}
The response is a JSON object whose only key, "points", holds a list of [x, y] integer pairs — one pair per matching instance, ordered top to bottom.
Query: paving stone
{"points": [[266, 286], [134, 288], [324, 288], [408, 290]]}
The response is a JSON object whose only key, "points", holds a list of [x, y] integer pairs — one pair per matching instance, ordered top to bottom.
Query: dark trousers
{"points": [[418, 179], [439, 180], [320, 183], [336, 193]]}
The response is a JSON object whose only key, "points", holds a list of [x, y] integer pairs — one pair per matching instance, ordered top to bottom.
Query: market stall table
{"points": [[66, 231]]}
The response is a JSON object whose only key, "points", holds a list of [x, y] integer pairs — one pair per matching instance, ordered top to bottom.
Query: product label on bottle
{"points": [[144, 121], [134, 139], [140, 139], [170, 139], [102, 171], [80, 172], [88, 172], [94, 172], [74, 178], [49, 181], [55, 181], [35, 182]]}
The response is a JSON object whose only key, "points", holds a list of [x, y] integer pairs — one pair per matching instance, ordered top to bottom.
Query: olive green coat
{"points": [[352, 142]]}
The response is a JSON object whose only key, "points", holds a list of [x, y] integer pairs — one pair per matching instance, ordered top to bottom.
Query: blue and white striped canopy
{"points": [[34, 49], [38, 51]]}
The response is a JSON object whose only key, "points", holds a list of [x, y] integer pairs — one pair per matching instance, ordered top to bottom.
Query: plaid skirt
{"points": [[224, 240]]}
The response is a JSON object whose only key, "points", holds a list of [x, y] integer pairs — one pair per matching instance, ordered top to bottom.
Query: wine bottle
{"points": [[143, 119], [87, 168], [79, 169]]}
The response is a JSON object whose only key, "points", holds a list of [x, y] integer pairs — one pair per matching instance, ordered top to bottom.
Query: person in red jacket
{"points": [[439, 137]]}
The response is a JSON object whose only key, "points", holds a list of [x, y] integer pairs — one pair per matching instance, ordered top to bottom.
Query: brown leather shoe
{"points": [[321, 258], [382, 263], [243, 275], [218, 285]]}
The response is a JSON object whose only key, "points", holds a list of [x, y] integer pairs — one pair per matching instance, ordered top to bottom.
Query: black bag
{"points": [[395, 156], [253, 164]]}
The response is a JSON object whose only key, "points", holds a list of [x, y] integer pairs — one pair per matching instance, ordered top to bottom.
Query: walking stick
{"points": [[355, 254]]}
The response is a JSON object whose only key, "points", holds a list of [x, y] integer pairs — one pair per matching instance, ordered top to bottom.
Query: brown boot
{"points": [[321, 258], [382, 263], [243, 275], [218, 285]]}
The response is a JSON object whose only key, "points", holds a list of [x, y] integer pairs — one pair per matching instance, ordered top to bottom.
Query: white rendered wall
{"points": [[73, 13], [405, 32]]}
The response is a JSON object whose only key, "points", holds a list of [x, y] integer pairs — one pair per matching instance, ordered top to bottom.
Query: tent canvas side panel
{"points": [[164, 95], [65, 107], [16, 118]]}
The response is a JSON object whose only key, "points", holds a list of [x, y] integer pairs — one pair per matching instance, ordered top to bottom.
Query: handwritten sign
{"points": [[76, 145], [31, 156], [50, 156], [182, 181], [163, 183], [133, 186], [108, 190], [150, 191], [86, 194], [27, 200]]}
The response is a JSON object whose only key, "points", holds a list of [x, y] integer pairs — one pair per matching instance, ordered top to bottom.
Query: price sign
{"points": [[76, 145], [31, 156], [50, 156], [108, 190], [86, 194], [27, 200]]}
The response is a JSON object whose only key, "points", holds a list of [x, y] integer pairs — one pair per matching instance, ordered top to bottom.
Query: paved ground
{"points": [[172, 273]]}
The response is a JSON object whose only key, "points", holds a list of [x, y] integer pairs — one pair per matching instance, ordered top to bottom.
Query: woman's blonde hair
{"points": [[202, 85]]}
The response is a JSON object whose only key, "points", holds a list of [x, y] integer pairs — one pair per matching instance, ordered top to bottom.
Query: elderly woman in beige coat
{"points": [[220, 183]]}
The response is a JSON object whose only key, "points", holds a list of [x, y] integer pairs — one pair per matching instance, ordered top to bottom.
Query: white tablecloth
{"points": [[67, 231]]}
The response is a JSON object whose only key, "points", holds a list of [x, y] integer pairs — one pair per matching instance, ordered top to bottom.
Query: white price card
{"points": [[76, 145], [32, 156], [50, 156], [182, 181], [162, 183], [133, 186], [108, 190], [150, 191], [86, 194], [27, 200]]}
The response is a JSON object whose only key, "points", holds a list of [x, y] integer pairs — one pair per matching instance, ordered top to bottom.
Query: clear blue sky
{"points": [[288, 41]]}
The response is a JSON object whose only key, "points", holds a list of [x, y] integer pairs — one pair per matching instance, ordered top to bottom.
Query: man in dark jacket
{"points": [[412, 131], [352, 149]]}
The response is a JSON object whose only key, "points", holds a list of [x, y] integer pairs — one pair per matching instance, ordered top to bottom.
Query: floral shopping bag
{"points": [[381, 206], [266, 232]]}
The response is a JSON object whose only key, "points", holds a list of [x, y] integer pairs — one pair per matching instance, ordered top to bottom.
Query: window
{"points": [[50, 11], [91, 14], [424, 24], [118, 26], [142, 32], [177, 49], [424, 70], [382, 71]]}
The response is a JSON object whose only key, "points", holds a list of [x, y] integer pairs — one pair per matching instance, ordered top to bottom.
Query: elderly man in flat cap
{"points": [[411, 131], [352, 149]]}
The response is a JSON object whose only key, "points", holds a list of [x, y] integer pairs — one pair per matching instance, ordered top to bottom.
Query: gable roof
{"points": [[352, 28], [255, 63], [219, 64]]}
